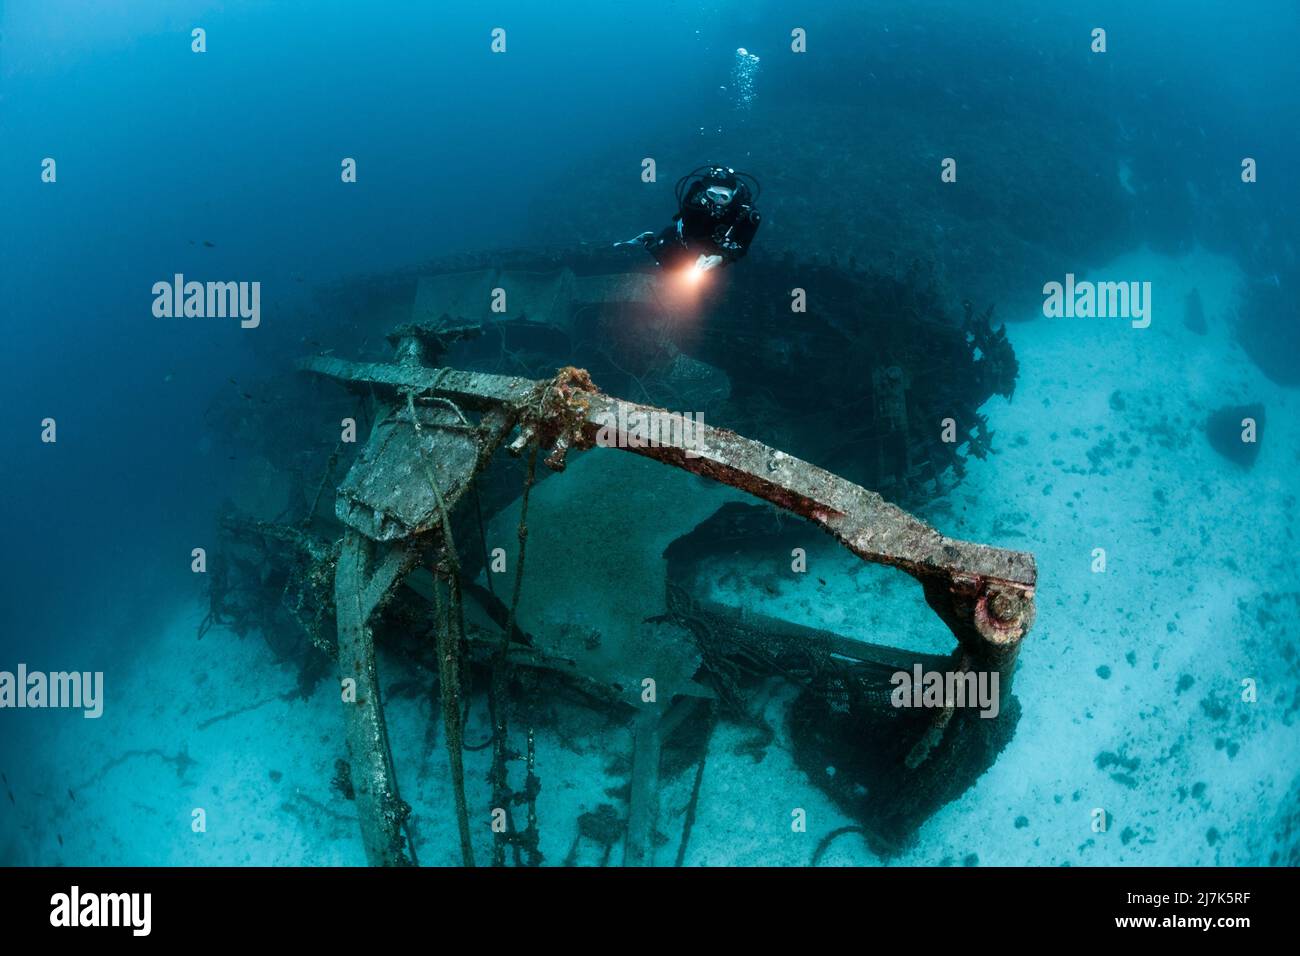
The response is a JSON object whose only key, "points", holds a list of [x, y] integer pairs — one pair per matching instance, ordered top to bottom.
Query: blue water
{"points": [[226, 165]]}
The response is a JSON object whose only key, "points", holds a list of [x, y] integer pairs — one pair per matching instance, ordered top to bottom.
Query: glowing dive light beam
{"points": [[702, 265]]}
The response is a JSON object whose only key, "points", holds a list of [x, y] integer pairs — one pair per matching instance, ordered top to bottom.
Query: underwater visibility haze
{"points": [[680, 434]]}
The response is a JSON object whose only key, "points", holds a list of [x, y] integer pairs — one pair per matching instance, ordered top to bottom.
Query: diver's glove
{"points": [[639, 240], [705, 263]]}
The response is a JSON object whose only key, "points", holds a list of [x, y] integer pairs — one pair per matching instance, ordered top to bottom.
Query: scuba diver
{"points": [[715, 221]]}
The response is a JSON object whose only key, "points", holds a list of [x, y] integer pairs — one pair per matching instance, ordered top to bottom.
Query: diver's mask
{"points": [[719, 197]]}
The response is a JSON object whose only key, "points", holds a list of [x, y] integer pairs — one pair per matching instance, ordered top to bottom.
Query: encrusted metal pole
{"points": [[360, 586], [643, 803]]}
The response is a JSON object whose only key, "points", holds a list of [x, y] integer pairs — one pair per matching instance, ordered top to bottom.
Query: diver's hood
{"points": [[723, 176]]}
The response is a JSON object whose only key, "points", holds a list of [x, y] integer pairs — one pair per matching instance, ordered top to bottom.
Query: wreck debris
{"points": [[436, 431], [1235, 432], [984, 595], [893, 767], [341, 782], [643, 805], [603, 827]]}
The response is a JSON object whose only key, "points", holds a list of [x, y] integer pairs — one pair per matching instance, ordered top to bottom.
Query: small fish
{"points": [[210, 245], [167, 378], [232, 381], [247, 396], [822, 582], [4, 779], [11, 796], [72, 796], [60, 836]]}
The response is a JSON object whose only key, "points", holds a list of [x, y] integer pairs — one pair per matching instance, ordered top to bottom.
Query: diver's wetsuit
{"points": [[704, 227]]}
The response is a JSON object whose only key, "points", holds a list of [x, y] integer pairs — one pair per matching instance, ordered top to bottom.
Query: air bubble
{"points": [[743, 75]]}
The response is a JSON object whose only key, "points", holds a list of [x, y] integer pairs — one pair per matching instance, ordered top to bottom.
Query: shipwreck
{"points": [[466, 426]]}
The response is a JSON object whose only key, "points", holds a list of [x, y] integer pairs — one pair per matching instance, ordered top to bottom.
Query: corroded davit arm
{"points": [[985, 595]]}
